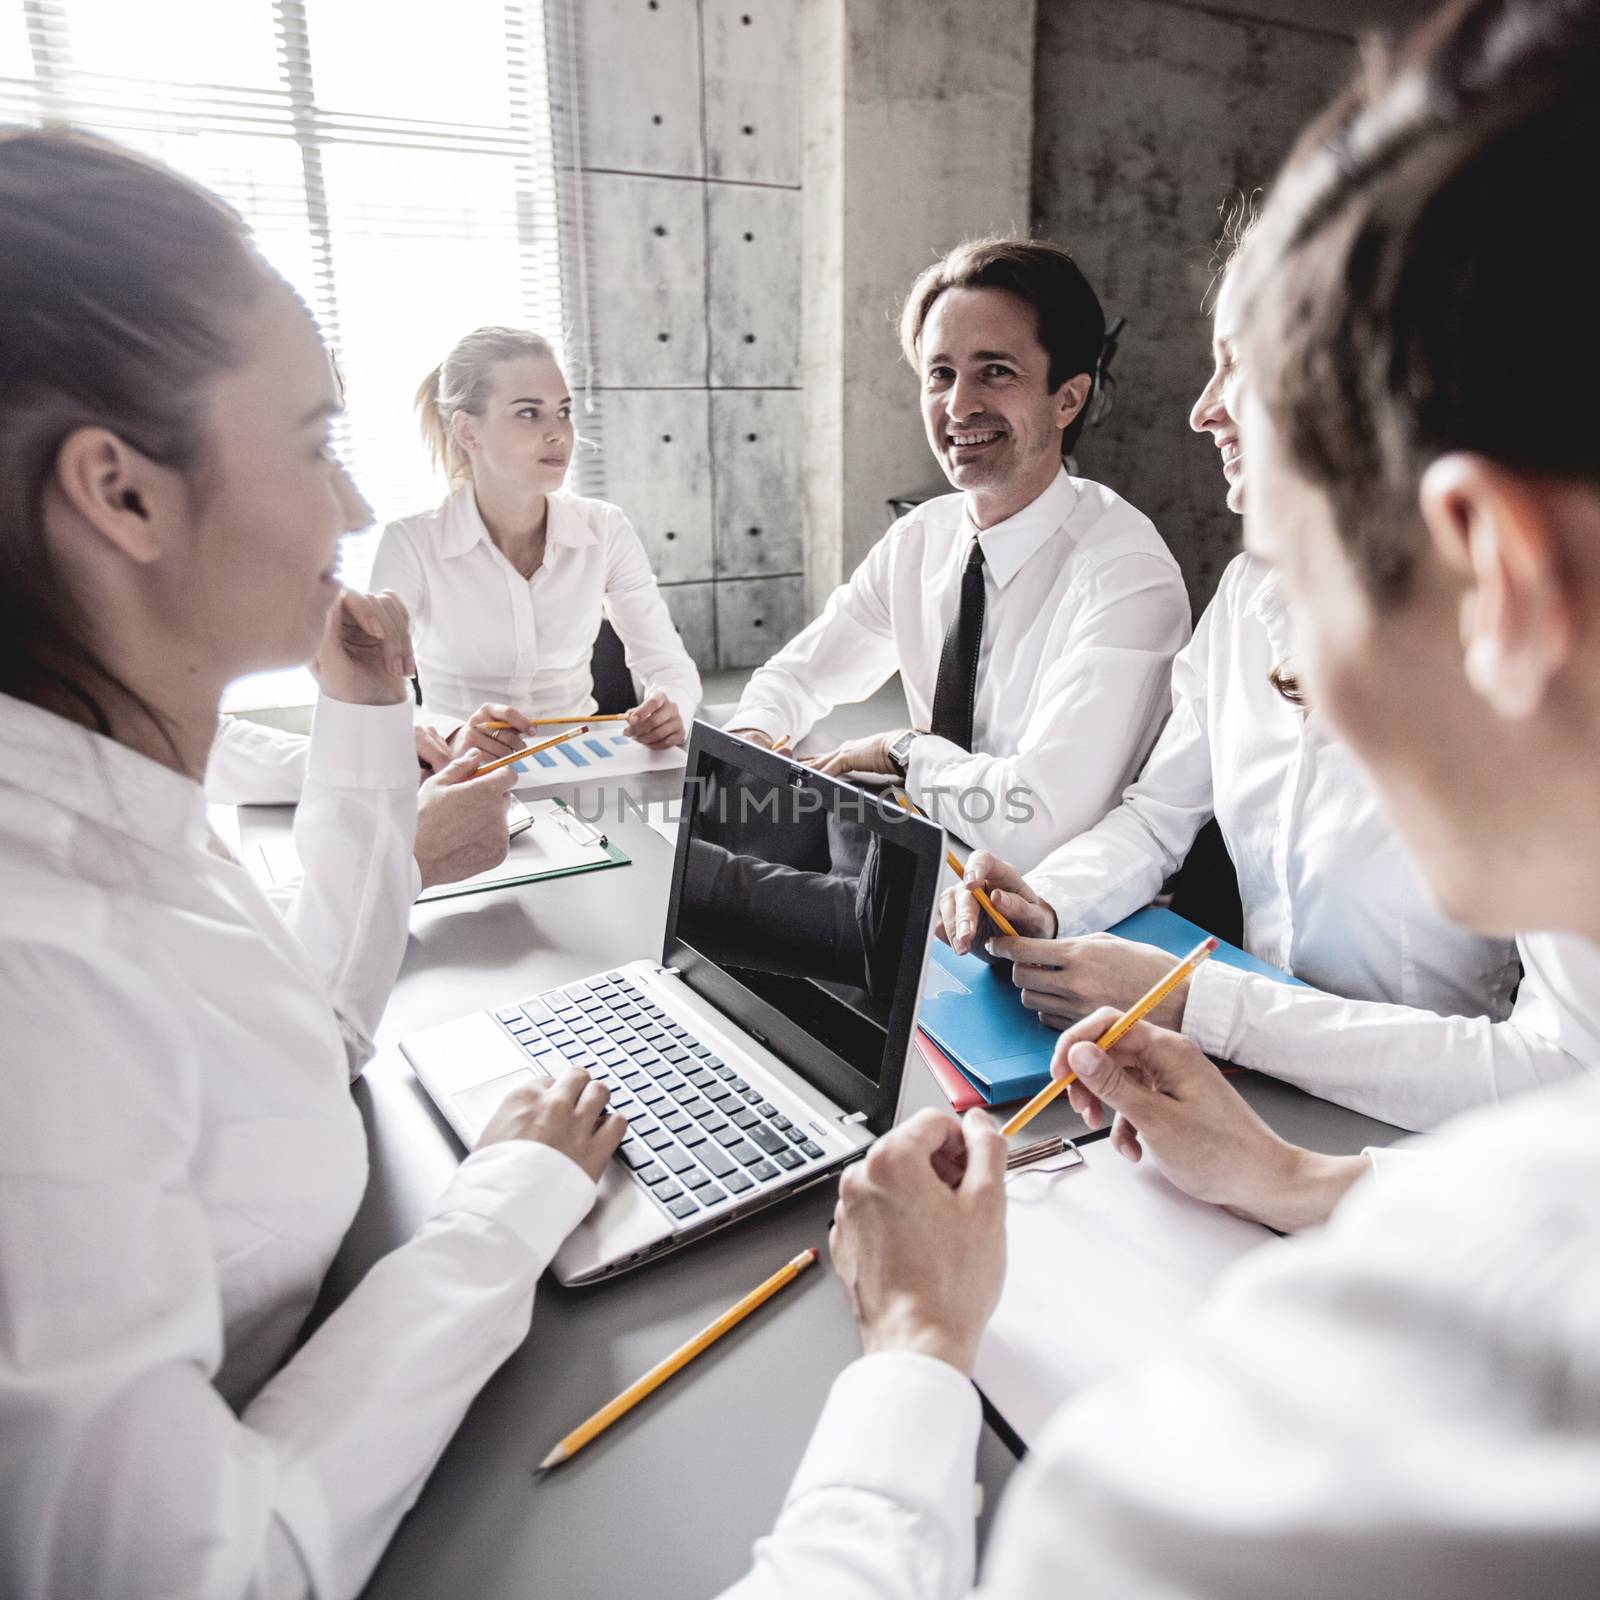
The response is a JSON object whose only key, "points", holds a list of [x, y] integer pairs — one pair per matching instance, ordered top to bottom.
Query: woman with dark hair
{"points": [[1402, 1012], [179, 1152], [1405, 1402]]}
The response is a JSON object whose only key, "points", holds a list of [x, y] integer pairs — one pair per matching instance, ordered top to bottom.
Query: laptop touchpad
{"points": [[482, 1100]]}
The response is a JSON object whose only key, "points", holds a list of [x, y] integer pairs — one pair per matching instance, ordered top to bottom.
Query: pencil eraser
{"points": [[1211, 944], [812, 1252]]}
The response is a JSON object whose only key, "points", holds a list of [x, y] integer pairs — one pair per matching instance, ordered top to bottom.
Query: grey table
{"points": [[668, 1501]]}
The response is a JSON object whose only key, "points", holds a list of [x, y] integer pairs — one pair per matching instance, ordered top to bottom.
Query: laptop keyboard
{"points": [[698, 1134]]}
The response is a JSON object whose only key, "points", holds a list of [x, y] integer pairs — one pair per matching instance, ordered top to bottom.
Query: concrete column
{"points": [[916, 133]]}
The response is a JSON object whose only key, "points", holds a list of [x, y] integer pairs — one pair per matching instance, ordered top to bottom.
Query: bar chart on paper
{"points": [[601, 756]]}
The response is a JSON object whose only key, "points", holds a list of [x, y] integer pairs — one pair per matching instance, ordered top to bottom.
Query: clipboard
{"points": [[553, 842]]}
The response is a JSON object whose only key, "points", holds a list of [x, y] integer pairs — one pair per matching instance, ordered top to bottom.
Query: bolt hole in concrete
{"points": [[656, 119], [748, 129], [658, 230], [749, 238], [663, 337], [749, 338], [666, 438], [750, 438], [755, 533], [671, 534], [755, 622]]}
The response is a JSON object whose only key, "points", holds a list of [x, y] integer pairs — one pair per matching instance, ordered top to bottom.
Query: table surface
{"points": [[669, 1500]]}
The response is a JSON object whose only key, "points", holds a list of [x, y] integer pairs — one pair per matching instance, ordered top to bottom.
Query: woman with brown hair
{"points": [[180, 1155]]}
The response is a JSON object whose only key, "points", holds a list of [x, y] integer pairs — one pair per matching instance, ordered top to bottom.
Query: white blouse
{"points": [[1084, 607], [484, 633], [1329, 891], [179, 1160], [1403, 1403]]}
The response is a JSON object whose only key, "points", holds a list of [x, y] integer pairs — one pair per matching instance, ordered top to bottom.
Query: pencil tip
{"points": [[554, 1459]]}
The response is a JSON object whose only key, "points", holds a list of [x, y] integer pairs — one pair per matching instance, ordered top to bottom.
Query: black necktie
{"points": [[957, 684]]}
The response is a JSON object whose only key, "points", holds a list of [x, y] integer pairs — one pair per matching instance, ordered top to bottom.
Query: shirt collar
{"points": [[461, 524], [1008, 546], [1270, 606], [82, 775]]}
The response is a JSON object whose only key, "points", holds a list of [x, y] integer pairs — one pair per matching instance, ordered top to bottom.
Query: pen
{"points": [[530, 750], [957, 866], [1140, 1008], [680, 1358]]}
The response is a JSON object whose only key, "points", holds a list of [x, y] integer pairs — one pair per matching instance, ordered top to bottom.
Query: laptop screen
{"points": [[801, 908]]}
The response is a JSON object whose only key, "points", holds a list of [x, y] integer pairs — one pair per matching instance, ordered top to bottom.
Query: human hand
{"points": [[364, 657], [656, 723], [476, 734], [754, 736], [433, 750], [859, 755], [461, 821], [962, 922], [1063, 979], [1169, 1099], [567, 1113], [919, 1236]]}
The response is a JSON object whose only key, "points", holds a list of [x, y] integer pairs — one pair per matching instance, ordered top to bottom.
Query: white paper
{"points": [[623, 758], [663, 817], [1105, 1264]]}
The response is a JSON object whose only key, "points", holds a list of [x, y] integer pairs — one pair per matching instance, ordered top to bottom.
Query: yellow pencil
{"points": [[556, 722], [780, 744], [530, 750], [958, 866], [1137, 1012], [680, 1358]]}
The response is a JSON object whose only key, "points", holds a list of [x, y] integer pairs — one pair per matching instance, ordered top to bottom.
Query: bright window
{"points": [[394, 158]]}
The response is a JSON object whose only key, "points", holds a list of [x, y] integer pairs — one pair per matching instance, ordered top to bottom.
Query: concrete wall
{"points": [[1147, 113], [916, 133], [690, 151]]}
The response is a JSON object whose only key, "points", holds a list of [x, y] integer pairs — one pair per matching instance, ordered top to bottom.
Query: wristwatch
{"points": [[900, 750]]}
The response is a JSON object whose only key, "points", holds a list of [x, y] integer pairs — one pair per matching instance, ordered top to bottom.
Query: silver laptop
{"points": [[767, 1048]]}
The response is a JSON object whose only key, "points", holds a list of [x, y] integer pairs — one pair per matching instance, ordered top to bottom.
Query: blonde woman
{"points": [[508, 579]]}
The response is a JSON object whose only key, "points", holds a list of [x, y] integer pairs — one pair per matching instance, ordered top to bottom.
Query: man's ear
{"points": [[1071, 398], [119, 492], [1498, 529]]}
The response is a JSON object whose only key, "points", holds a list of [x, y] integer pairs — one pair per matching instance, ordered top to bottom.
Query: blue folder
{"points": [[974, 1012]]}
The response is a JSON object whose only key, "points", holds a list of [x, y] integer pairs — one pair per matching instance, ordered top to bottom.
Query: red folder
{"points": [[959, 1090]]}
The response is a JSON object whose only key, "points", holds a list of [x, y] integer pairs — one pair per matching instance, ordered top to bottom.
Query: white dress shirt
{"points": [[1083, 609], [483, 633], [254, 765], [1329, 891], [179, 1160], [1403, 1403]]}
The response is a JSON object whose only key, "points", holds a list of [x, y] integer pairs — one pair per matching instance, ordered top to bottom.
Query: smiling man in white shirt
{"points": [[1032, 616]]}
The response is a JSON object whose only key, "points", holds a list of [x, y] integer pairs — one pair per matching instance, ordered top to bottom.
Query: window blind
{"points": [[396, 159]]}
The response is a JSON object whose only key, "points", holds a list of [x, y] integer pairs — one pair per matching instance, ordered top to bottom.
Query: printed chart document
{"points": [[600, 754], [1106, 1262]]}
